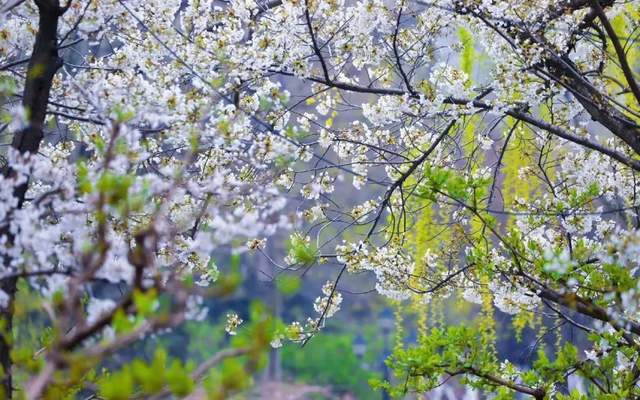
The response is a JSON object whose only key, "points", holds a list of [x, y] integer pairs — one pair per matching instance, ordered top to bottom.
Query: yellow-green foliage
{"points": [[625, 24], [468, 53], [517, 155]]}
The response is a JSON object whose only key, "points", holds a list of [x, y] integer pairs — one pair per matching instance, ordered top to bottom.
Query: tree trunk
{"points": [[43, 65], [6, 325]]}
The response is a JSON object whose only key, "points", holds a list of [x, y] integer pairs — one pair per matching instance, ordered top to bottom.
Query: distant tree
{"points": [[494, 145], [317, 364]]}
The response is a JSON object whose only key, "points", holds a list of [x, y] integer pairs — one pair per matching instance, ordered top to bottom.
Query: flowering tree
{"points": [[501, 139], [492, 148], [128, 165]]}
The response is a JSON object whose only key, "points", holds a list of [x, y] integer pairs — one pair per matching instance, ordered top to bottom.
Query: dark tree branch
{"points": [[622, 57], [536, 393]]}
